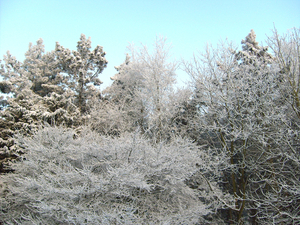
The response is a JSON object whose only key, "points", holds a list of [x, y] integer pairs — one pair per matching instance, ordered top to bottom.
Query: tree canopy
{"points": [[225, 149]]}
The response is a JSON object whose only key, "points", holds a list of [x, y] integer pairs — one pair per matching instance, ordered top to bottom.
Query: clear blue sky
{"points": [[113, 24]]}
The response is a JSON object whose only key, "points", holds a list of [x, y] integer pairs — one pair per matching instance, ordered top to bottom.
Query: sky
{"points": [[188, 25]]}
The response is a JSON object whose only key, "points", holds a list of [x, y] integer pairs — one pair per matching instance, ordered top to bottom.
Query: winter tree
{"points": [[286, 49], [82, 68], [159, 76], [51, 87], [143, 88], [22, 106], [122, 109], [239, 114], [183, 121], [224, 152], [106, 180]]}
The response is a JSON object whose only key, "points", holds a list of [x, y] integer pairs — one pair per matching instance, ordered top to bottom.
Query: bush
{"points": [[93, 179]]}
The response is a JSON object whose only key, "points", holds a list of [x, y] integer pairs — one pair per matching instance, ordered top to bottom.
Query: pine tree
{"points": [[82, 68], [52, 87], [22, 106]]}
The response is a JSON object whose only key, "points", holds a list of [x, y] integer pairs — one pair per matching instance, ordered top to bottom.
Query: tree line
{"points": [[240, 112]]}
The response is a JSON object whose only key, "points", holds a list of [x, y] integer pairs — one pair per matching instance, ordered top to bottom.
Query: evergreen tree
{"points": [[82, 68], [52, 87], [22, 106]]}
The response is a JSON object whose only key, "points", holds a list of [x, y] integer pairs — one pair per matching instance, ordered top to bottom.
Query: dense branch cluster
{"points": [[224, 150]]}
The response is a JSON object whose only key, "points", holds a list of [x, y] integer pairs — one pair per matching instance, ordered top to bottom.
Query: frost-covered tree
{"points": [[286, 49], [82, 68], [42, 71], [158, 72], [49, 82], [51, 87], [143, 89], [22, 106], [122, 109], [240, 116], [183, 121], [105, 180]]}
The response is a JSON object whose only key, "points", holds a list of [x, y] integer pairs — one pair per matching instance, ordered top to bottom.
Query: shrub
{"points": [[94, 179]]}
